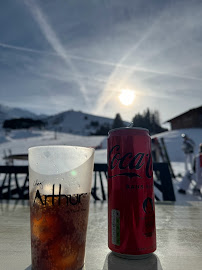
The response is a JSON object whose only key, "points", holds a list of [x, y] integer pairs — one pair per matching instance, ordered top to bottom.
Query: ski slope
{"points": [[18, 142]]}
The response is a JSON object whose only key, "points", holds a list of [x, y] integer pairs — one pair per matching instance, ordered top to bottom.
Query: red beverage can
{"points": [[131, 208]]}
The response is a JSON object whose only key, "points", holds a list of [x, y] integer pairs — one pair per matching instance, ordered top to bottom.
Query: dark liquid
{"points": [[58, 233]]}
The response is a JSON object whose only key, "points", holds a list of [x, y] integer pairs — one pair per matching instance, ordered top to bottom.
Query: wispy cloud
{"points": [[54, 41], [25, 49], [76, 54], [141, 65], [116, 67], [105, 97]]}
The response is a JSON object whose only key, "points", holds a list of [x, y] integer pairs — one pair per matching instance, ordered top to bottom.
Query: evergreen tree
{"points": [[149, 120], [118, 122], [20, 123], [102, 130]]}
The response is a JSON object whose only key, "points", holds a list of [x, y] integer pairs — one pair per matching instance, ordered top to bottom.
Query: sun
{"points": [[127, 97]]}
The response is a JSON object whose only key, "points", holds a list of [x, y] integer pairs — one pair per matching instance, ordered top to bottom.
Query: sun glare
{"points": [[127, 97]]}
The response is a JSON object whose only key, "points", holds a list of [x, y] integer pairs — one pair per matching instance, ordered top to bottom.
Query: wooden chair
{"points": [[100, 173], [163, 181], [14, 182]]}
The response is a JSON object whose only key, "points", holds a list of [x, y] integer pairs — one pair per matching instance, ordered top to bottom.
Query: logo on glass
{"points": [[72, 199]]}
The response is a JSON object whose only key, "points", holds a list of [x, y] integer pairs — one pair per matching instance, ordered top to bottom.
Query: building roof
{"points": [[194, 109]]}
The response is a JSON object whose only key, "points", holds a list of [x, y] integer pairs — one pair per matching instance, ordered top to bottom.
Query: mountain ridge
{"points": [[7, 113], [70, 121], [78, 122]]}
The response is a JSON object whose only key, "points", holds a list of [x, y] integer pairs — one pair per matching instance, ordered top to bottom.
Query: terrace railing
{"points": [[14, 182]]}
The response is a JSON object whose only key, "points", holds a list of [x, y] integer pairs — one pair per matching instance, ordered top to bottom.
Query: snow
{"points": [[8, 113], [74, 122], [77, 122], [18, 141], [173, 141]]}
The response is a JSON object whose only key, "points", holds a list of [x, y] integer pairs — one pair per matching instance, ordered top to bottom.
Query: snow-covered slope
{"points": [[8, 112], [74, 122], [77, 122], [19, 141], [173, 141]]}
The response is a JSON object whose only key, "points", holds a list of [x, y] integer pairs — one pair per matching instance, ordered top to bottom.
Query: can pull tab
{"points": [[130, 125]]}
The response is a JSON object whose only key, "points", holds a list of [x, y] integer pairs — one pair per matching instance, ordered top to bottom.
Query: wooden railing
{"points": [[14, 182]]}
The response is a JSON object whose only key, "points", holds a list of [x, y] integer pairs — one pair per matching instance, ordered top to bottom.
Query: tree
{"points": [[150, 120], [118, 122], [20, 123], [94, 123], [102, 130]]}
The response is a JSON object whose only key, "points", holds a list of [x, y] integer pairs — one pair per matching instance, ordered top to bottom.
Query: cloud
{"points": [[54, 41], [81, 54]]}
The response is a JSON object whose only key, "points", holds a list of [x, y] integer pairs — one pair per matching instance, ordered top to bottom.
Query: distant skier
{"points": [[188, 149]]}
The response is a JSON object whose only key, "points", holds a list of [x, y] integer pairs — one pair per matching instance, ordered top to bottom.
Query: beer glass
{"points": [[59, 188]]}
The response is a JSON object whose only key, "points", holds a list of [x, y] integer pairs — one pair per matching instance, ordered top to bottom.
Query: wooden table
{"points": [[179, 239]]}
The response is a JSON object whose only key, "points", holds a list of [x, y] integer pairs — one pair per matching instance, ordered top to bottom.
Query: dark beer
{"points": [[58, 231]]}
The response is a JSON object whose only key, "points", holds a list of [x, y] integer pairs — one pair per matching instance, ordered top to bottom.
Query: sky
{"points": [[57, 55]]}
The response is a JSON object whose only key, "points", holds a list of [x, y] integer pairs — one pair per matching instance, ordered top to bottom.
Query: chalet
{"points": [[189, 119]]}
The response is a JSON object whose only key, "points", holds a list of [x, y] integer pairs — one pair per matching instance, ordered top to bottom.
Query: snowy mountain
{"points": [[9, 113], [74, 122], [77, 122]]}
